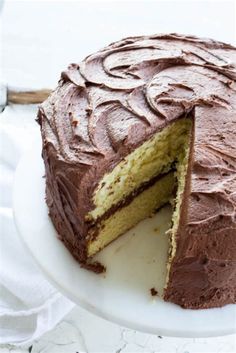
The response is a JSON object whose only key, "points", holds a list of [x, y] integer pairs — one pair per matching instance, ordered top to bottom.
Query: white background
{"points": [[39, 39]]}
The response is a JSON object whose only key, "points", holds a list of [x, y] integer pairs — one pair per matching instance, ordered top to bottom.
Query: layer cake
{"points": [[146, 121]]}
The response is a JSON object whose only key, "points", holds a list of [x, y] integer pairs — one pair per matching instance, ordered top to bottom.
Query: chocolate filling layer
{"points": [[128, 199]]}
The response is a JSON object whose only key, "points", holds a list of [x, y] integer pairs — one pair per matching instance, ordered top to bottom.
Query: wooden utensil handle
{"points": [[27, 97]]}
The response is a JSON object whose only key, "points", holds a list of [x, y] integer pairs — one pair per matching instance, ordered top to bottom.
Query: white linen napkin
{"points": [[29, 305]]}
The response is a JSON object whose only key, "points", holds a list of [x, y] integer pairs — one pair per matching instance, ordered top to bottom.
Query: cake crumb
{"points": [[74, 123], [156, 230], [95, 267], [153, 292]]}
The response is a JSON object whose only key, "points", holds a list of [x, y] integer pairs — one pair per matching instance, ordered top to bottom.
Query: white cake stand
{"points": [[135, 263]]}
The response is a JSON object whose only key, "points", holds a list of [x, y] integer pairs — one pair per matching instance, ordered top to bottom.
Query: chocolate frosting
{"points": [[114, 100]]}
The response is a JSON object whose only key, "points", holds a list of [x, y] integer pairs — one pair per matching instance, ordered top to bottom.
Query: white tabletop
{"points": [[39, 39], [83, 332]]}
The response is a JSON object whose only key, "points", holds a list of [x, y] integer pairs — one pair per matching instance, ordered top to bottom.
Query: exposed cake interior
{"points": [[180, 178], [143, 182], [141, 206]]}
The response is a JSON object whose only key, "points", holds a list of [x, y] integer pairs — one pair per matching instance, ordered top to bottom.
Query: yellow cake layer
{"points": [[152, 158], [180, 174], [142, 206]]}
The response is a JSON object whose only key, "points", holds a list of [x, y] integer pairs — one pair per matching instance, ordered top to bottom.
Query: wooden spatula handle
{"points": [[27, 97]]}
